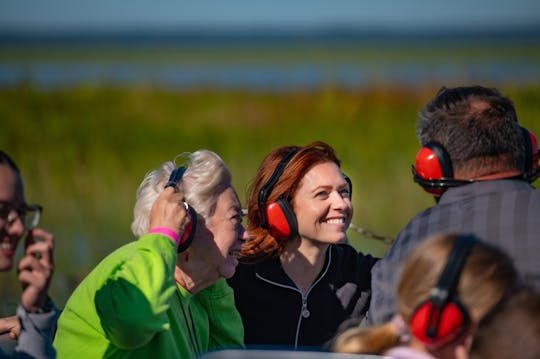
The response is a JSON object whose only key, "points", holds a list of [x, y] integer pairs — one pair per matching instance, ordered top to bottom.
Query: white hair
{"points": [[205, 178]]}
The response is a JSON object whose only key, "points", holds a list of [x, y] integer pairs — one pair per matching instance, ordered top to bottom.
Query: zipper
{"points": [[304, 311]]}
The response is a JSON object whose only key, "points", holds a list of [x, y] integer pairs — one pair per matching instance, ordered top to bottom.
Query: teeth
{"points": [[336, 221], [5, 245]]}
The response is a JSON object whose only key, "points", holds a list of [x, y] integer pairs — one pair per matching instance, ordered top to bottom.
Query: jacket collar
{"points": [[480, 188], [271, 270]]}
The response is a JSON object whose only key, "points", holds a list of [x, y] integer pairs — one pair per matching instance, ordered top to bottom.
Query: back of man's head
{"points": [[479, 129]]}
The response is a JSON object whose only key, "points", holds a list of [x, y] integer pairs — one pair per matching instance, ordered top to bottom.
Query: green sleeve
{"points": [[133, 301], [226, 329]]}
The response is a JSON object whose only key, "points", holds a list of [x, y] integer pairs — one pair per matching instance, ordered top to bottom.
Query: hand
{"points": [[169, 211], [36, 269], [11, 325]]}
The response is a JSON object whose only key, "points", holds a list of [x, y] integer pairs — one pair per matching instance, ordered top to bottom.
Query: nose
{"points": [[339, 202], [15, 227], [243, 235]]}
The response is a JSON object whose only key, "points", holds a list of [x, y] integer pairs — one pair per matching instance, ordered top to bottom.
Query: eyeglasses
{"points": [[29, 214]]}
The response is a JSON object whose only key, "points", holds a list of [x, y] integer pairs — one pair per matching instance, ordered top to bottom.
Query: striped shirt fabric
{"points": [[505, 213]]}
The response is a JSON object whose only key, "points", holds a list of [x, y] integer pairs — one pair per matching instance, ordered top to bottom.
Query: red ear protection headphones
{"points": [[434, 172], [277, 217], [189, 232], [442, 318]]}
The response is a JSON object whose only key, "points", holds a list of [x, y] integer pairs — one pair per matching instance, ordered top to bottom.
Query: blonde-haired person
{"points": [[460, 273], [164, 295]]}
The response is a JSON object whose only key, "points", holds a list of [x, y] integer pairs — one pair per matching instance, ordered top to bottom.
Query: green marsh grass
{"points": [[84, 150]]}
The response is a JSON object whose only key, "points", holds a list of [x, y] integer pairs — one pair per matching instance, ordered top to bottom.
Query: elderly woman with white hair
{"points": [[164, 295]]}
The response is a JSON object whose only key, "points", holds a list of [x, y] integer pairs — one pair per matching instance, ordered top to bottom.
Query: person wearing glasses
{"points": [[36, 312]]}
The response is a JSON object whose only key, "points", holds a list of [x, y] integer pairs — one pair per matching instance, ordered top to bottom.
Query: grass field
{"points": [[84, 150]]}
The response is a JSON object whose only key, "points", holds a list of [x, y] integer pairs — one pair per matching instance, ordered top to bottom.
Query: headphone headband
{"points": [[270, 183], [189, 232]]}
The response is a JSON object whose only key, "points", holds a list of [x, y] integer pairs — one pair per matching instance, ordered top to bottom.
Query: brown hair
{"points": [[261, 243], [488, 274], [510, 331]]}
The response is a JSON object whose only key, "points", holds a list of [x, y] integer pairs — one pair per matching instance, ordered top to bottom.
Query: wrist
{"points": [[166, 231], [45, 308]]}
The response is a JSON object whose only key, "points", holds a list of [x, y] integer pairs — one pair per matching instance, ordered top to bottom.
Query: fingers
{"points": [[169, 210], [40, 245], [36, 269], [11, 325]]}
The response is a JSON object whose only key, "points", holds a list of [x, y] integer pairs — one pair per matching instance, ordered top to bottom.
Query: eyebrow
{"points": [[236, 208]]}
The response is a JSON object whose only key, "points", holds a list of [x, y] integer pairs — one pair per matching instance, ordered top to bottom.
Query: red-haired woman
{"points": [[301, 281]]}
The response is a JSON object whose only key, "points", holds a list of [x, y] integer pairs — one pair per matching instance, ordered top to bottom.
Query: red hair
{"points": [[261, 243]]}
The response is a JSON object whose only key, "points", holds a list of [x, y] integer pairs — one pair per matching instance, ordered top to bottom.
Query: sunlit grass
{"points": [[83, 151]]}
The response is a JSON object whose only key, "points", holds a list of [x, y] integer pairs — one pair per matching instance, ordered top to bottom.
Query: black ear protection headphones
{"points": [[434, 172], [278, 217], [189, 232], [442, 318]]}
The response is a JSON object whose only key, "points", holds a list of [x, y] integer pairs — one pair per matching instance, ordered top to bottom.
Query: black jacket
{"points": [[275, 313]]}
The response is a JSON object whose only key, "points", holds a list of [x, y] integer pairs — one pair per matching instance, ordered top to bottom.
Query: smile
{"points": [[335, 221]]}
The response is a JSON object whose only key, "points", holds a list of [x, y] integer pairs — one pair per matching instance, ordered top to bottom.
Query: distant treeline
{"points": [[528, 34]]}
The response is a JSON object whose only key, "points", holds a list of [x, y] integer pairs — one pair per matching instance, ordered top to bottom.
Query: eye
{"points": [[345, 192], [322, 194], [237, 218]]}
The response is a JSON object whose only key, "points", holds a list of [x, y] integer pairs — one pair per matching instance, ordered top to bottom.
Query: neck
{"points": [[494, 176], [303, 260], [193, 275]]}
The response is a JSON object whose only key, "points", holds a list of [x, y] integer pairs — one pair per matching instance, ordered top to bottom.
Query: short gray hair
{"points": [[206, 177]]}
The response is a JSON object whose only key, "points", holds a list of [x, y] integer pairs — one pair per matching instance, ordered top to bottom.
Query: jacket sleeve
{"points": [[383, 284], [133, 301], [226, 329], [37, 331]]}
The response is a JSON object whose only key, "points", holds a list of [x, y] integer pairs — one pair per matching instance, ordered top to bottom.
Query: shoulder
{"points": [[345, 255]]}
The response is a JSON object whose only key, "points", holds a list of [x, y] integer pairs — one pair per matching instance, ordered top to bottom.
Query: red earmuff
{"points": [[277, 217], [441, 318], [452, 318]]}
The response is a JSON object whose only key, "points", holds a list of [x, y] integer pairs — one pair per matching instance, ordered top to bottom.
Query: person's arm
{"points": [[383, 285], [133, 302], [37, 313], [226, 329], [37, 332]]}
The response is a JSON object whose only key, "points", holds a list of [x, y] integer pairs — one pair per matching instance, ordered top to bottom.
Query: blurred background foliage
{"points": [[83, 149]]}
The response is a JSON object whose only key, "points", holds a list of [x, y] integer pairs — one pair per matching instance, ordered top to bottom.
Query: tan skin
{"points": [[323, 208], [213, 253], [36, 267]]}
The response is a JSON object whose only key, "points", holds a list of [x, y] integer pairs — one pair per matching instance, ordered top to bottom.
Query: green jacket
{"points": [[130, 306]]}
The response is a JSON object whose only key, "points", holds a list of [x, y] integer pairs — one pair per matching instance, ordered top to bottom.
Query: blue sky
{"points": [[37, 15]]}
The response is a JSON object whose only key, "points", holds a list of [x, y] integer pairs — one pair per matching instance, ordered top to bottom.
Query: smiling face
{"points": [[11, 193], [322, 204], [225, 234]]}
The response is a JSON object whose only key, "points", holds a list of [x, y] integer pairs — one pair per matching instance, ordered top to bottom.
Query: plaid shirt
{"points": [[505, 213]]}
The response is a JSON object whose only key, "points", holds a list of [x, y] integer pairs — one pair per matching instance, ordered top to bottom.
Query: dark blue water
{"points": [[418, 59], [266, 76]]}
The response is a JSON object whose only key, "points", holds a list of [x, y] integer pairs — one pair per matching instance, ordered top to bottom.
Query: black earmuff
{"points": [[434, 172], [277, 217], [189, 232], [442, 318]]}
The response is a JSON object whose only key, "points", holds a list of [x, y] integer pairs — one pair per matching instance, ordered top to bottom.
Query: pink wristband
{"points": [[167, 232]]}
